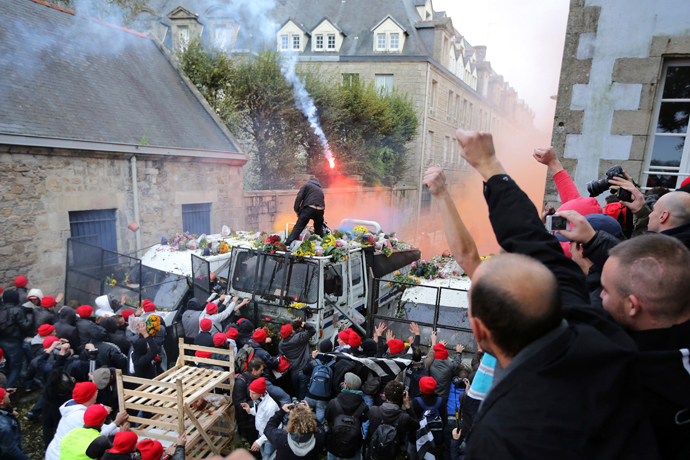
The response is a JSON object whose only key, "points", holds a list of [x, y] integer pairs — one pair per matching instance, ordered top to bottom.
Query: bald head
{"points": [[671, 210], [517, 299]]}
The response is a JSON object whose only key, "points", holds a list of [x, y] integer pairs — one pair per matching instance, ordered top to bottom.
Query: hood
{"points": [[315, 182], [35, 293], [10, 297], [103, 303], [194, 305], [68, 315], [109, 324], [245, 326], [98, 334], [141, 347], [369, 347], [70, 407], [390, 411], [301, 445]]}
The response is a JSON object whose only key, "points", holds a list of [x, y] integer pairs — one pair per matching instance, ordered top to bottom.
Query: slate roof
{"points": [[69, 77]]}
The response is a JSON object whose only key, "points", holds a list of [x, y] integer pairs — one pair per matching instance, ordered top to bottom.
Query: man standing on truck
{"points": [[309, 205]]}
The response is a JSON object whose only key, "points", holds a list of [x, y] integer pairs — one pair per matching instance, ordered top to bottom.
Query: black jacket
{"points": [[310, 194], [681, 232], [43, 316], [19, 325], [65, 328], [84, 328], [244, 332], [115, 335], [204, 339], [296, 348], [144, 350], [108, 353], [240, 394], [429, 400], [350, 402], [543, 406], [391, 414], [291, 446]]}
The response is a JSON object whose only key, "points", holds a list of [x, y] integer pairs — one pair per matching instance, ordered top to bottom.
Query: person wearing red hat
{"points": [[20, 284], [147, 309], [217, 318], [85, 323], [16, 326], [43, 331], [204, 338], [343, 339], [354, 341], [258, 343], [295, 347], [144, 352], [443, 369], [262, 407], [431, 407], [73, 412], [86, 442], [124, 444], [11, 445], [150, 449]]}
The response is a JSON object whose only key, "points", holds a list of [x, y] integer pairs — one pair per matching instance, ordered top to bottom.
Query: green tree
{"points": [[116, 11]]}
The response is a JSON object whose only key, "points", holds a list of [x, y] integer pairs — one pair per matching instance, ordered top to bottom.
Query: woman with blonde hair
{"points": [[304, 437]]}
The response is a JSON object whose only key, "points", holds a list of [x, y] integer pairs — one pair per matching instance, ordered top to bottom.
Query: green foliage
{"points": [[121, 12], [368, 130]]}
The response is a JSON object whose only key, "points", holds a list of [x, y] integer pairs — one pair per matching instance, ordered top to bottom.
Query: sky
{"points": [[524, 40]]}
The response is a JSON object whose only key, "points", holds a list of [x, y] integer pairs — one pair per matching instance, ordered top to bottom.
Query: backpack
{"points": [[7, 326], [244, 355], [411, 379], [320, 383], [372, 383], [433, 419], [345, 436], [384, 442]]}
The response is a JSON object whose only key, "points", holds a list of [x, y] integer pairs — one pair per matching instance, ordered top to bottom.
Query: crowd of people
{"points": [[583, 338]]}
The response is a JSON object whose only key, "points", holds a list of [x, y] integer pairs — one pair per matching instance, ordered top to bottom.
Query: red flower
{"points": [[268, 319]]}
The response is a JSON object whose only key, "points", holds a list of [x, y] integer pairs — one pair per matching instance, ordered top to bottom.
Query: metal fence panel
{"points": [[201, 278]]}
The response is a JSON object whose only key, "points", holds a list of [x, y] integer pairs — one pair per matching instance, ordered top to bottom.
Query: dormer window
{"points": [[185, 26], [389, 35], [183, 36], [327, 36], [292, 37], [319, 42], [331, 42], [381, 42], [395, 42], [284, 43], [295, 43]]}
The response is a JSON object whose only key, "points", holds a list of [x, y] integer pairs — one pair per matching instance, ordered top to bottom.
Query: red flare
{"points": [[331, 161]]}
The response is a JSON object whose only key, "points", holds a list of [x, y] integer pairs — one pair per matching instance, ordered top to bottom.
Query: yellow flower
{"points": [[360, 229], [396, 272], [410, 276], [418, 281]]}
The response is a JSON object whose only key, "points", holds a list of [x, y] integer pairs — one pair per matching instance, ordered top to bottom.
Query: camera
{"points": [[597, 187], [554, 223], [92, 354], [459, 383], [296, 402]]}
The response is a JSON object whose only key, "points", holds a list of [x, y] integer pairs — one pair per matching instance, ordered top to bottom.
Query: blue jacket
{"points": [[11, 447]]}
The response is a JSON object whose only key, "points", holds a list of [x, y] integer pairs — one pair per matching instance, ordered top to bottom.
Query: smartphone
{"points": [[554, 223]]}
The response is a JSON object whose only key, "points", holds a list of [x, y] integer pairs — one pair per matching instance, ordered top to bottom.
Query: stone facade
{"points": [[606, 109], [40, 186]]}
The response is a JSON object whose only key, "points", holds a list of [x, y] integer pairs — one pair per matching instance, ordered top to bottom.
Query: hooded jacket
{"points": [[310, 194], [43, 315], [190, 318], [19, 323], [85, 327], [65, 328], [244, 332], [115, 335], [296, 348], [144, 351], [108, 353], [271, 362], [443, 371], [240, 394], [349, 400], [262, 409], [391, 414], [72, 417], [291, 446]]}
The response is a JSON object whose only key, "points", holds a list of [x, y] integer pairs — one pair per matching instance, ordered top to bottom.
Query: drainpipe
{"points": [[421, 160], [135, 195]]}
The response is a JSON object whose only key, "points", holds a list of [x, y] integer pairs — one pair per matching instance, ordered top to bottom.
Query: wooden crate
{"points": [[169, 397]]}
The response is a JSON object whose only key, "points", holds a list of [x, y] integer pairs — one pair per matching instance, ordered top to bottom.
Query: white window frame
{"points": [[184, 34], [318, 38], [390, 40], [284, 42], [298, 42], [328, 42], [378, 42], [386, 81], [449, 109], [446, 141], [683, 170]]}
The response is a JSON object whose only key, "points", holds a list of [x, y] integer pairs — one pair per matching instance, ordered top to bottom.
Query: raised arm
{"points": [[565, 185], [515, 220], [461, 243]]}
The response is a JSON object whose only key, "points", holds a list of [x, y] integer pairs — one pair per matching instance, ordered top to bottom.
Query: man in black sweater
{"points": [[309, 205], [530, 309]]}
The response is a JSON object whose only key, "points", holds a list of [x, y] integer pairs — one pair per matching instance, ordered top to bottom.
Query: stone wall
{"points": [[608, 84], [40, 186]]}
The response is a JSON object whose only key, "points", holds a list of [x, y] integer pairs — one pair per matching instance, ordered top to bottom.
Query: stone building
{"points": [[402, 44], [624, 92], [98, 129]]}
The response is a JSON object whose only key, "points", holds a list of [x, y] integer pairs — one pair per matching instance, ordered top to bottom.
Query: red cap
{"points": [[685, 182], [584, 206], [20, 281], [1, 289], [48, 302], [148, 306], [211, 308], [85, 311], [126, 313], [205, 324], [45, 330], [286, 330], [232, 333], [345, 335], [259, 336], [219, 339], [355, 340], [49, 341], [396, 346], [440, 351], [2, 354], [202, 354], [283, 364], [427, 385], [258, 386], [83, 392], [2, 394], [95, 415], [124, 443], [150, 449]]}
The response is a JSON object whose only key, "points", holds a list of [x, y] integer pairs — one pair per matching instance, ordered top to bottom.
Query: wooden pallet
{"points": [[169, 397]]}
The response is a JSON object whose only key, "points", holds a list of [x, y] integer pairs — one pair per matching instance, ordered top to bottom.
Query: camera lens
{"points": [[597, 187]]}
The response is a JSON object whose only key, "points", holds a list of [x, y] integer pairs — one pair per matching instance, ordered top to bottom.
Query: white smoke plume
{"points": [[303, 101]]}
